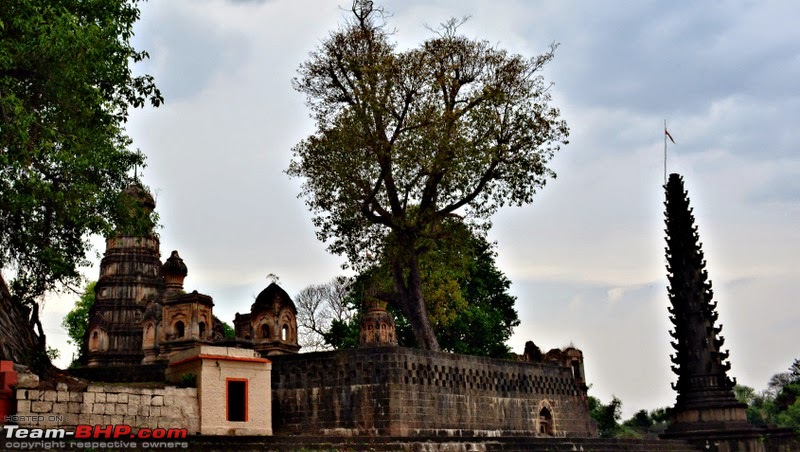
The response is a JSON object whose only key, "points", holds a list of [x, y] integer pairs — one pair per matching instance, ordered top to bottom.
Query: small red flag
{"points": [[669, 136]]}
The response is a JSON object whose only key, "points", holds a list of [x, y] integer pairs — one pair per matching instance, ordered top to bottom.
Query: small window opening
{"points": [[202, 326], [179, 329], [265, 331], [284, 332], [94, 343], [576, 370], [237, 400], [546, 422]]}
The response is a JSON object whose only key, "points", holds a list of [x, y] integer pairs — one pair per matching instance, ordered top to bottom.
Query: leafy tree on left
{"points": [[66, 86], [77, 320]]}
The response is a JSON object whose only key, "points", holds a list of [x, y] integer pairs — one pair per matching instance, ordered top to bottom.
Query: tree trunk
{"points": [[412, 303], [18, 341]]}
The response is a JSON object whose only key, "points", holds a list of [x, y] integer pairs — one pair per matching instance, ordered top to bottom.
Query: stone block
{"points": [[27, 380], [61, 387], [95, 388], [22, 394], [50, 396], [62, 396], [76, 397], [100, 397], [111, 397], [122, 397], [89, 398], [134, 399], [157, 400], [23, 406], [41, 407], [74, 407], [60, 408], [98, 408], [121, 409], [188, 409], [131, 410], [144, 410], [155, 411], [171, 412], [71, 420], [115, 420]]}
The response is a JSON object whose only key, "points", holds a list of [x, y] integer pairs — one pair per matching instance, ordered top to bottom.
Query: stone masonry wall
{"points": [[407, 392], [100, 404]]}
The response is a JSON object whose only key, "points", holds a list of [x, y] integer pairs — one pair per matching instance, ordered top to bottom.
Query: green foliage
{"points": [[65, 89], [408, 139], [466, 294], [77, 320], [228, 331], [53, 353], [779, 404], [606, 416], [641, 425]]}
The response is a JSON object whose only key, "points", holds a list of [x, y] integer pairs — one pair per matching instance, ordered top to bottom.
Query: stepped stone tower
{"points": [[129, 279], [705, 399]]}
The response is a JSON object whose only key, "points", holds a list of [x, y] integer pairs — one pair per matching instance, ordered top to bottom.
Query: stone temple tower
{"points": [[129, 278], [377, 327], [705, 399]]}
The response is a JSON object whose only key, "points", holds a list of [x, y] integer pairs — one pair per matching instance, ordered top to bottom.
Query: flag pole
{"points": [[665, 152]]}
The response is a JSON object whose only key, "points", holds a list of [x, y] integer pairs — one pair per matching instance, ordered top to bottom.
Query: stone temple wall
{"points": [[406, 392], [100, 404]]}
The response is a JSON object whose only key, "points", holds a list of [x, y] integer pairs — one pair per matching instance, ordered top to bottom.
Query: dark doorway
{"points": [[237, 400]]}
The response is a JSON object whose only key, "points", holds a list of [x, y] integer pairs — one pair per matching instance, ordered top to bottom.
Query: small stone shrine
{"points": [[271, 326]]}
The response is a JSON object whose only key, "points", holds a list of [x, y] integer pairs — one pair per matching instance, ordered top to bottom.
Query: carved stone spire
{"points": [[174, 272], [129, 280], [705, 397]]}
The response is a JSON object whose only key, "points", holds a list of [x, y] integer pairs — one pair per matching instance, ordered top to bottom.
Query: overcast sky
{"points": [[587, 257]]}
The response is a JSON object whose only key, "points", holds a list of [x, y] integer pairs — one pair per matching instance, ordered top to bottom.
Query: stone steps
{"points": [[437, 444]]}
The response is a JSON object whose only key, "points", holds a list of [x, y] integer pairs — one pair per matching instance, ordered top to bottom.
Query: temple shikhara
{"points": [[143, 315]]}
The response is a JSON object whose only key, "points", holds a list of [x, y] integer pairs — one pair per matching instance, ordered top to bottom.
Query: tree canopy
{"points": [[66, 85], [406, 140], [466, 295], [779, 404]]}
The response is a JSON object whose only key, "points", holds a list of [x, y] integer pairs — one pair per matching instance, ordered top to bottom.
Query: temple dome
{"points": [[137, 192], [174, 266], [273, 297]]}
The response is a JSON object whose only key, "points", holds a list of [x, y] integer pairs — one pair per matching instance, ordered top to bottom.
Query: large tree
{"points": [[66, 85], [406, 139], [466, 296]]}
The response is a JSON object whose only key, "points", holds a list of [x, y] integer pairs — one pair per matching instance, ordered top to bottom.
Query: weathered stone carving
{"points": [[271, 325], [377, 326]]}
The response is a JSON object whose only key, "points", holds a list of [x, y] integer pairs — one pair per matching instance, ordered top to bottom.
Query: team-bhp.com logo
{"points": [[94, 436]]}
